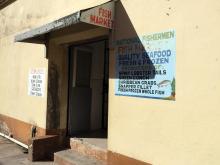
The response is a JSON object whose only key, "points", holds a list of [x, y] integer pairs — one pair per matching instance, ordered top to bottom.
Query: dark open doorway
{"points": [[88, 90]]}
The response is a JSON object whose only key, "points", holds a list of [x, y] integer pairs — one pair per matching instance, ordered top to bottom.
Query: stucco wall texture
{"points": [[17, 58], [185, 131]]}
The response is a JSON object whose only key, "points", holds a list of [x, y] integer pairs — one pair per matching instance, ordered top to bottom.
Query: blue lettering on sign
{"points": [[145, 66]]}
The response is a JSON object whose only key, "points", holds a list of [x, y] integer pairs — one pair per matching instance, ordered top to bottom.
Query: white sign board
{"points": [[102, 15], [36, 82]]}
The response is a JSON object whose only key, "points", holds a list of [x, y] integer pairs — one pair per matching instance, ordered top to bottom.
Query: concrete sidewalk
{"points": [[12, 154]]}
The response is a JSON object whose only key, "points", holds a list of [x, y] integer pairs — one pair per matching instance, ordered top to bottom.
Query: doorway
{"points": [[88, 90]]}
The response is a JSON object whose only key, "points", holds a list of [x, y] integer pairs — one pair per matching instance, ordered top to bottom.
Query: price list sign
{"points": [[36, 82]]}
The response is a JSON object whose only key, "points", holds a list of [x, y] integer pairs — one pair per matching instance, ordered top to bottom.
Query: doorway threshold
{"points": [[96, 138], [91, 147]]}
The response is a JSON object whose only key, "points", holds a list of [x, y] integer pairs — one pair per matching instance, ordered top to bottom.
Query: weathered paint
{"points": [[4, 3], [43, 30], [39, 35], [53, 113], [4, 128], [18, 129], [154, 131]]}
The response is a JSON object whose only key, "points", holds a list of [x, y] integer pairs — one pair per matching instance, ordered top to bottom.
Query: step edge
{"points": [[88, 145], [66, 158]]}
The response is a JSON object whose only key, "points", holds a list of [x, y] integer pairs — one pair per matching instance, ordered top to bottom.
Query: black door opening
{"points": [[88, 90]]}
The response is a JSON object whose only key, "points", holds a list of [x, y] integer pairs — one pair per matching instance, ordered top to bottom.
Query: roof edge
{"points": [[5, 3], [55, 25]]}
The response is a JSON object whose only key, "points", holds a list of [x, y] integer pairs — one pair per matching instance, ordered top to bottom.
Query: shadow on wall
{"points": [[4, 3], [129, 48], [144, 63]]}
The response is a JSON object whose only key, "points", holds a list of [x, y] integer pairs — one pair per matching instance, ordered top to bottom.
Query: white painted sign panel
{"points": [[102, 15], [145, 66], [36, 82]]}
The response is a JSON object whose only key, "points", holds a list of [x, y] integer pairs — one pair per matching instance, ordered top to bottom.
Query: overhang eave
{"points": [[39, 35]]}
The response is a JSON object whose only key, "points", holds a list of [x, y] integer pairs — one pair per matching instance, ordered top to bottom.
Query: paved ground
{"points": [[12, 154]]}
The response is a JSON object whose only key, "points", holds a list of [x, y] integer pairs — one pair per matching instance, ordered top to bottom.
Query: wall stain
{"points": [[29, 16], [10, 25], [53, 114], [4, 128]]}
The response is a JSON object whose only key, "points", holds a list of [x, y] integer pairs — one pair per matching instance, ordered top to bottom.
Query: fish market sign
{"points": [[102, 15], [145, 66], [36, 82]]}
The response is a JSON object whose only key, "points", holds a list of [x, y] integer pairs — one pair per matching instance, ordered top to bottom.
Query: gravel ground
{"points": [[12, 154]]}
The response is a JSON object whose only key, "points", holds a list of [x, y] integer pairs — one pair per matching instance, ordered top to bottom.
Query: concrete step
{"points": [[93, 148], [70, 157]]}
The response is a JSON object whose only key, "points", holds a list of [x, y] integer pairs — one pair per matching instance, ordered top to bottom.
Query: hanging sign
{"points": [[102, 15], [145, 66], [36, 82]]}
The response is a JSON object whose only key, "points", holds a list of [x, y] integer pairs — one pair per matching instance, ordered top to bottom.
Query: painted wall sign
{"points": [[102, 15], [145, 66], [36, 82]]}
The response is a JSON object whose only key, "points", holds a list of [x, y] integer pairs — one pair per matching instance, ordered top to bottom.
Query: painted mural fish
{"points": [[164, 83]]}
